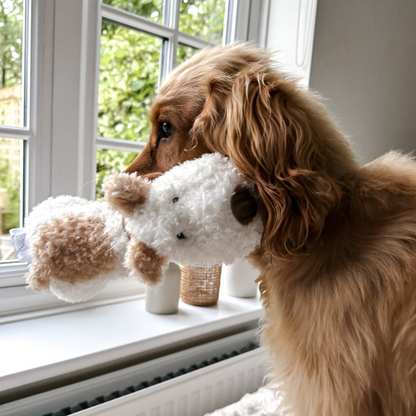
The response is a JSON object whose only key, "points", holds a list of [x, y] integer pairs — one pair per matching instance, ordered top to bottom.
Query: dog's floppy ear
{"points": [[261, 122], [124, 192]]}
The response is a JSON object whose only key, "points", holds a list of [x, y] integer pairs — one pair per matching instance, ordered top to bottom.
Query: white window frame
{"points": [[61, 132]]}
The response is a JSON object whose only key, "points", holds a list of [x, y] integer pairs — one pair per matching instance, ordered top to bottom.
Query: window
{"points": [[13, 19], [204, 19], [135, 55], [77, 81]]}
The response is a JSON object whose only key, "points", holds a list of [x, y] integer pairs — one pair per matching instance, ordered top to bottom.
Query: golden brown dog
{"points": [[338, 254]]}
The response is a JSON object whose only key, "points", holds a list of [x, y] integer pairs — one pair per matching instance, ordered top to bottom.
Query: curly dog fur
{"points": [[337, 257]]}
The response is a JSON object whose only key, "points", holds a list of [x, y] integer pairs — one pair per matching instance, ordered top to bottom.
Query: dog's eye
{"points": [[166, 130], [175, 200], [181, 236]]}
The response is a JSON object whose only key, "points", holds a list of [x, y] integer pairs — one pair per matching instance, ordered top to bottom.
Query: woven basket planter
{"points": [[200, 285]]}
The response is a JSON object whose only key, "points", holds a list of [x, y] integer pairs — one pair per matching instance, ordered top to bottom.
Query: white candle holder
{"points": [[238, 279], [163, 299]]}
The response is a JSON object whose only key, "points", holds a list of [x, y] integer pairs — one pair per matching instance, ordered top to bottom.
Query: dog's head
{"points": [[234, 101]]}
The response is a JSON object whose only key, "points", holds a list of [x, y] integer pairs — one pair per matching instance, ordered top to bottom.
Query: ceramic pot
{"points": [[238, 279], [163, 299]]}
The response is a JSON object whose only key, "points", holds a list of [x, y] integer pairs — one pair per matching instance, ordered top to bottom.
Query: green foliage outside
{"points": [[151, 9], [203, 18], [11, 30], [11, 39], [184, 53], [129, 72], [129, 76], [109, 162], [10, 180]]}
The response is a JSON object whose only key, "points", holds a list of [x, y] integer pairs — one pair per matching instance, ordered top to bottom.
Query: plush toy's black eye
{"points": [[175, 200], [181, 236]]}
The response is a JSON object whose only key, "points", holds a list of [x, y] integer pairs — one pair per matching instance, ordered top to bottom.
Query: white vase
{"points": [[238, 279], [163, 299]]}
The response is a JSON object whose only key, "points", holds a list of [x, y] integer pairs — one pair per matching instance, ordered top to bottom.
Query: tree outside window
{"points": [[11, 47], [129, 72]]}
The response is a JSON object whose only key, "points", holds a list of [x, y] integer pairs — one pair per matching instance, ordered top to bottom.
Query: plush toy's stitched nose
{"points": [[145, 261]]}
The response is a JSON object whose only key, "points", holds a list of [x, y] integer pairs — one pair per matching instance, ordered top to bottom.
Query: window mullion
{"points": [[174, 17], [240, 20], [134, 21], [247, 21], [228, 22], [264, 23], [41, 31], [193, 41], [170, 46], [90, 61], [25, 78], [75, 94], [15, 132], [119, 144]]}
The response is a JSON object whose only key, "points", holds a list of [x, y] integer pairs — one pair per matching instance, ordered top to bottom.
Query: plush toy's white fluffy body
{"points": [[203, 212], [187, 216], [77, 247]]}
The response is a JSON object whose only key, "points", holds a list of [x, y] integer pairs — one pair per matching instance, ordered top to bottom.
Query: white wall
{"points": [[364, 63]]}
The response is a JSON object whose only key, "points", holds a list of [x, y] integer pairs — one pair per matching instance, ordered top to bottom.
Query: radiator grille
{"points": [[157, 380], [195, 394]]}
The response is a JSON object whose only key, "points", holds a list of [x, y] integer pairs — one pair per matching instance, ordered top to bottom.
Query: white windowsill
{"points": [[39, 349]]}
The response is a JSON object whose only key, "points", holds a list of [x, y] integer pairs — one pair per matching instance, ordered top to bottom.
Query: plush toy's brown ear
{"points": [[124, 192], [243, 205], [145, 262]]}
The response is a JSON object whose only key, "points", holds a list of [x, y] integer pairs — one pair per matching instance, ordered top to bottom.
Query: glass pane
{"points": [[150, 9], [203, 18], [11, 47], [184, 53], [129, 74], [11, 155], [109, 162]]}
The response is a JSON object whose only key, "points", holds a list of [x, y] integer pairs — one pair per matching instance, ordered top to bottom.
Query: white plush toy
{"points": [[202, 212], [77, 246]]}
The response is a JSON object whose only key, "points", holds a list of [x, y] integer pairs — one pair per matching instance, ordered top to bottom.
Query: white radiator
{"points": [[192, 394]]}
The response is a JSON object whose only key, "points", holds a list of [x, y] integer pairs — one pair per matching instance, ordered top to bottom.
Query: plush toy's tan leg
{"points": [[72, 250], [144, 260]]}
